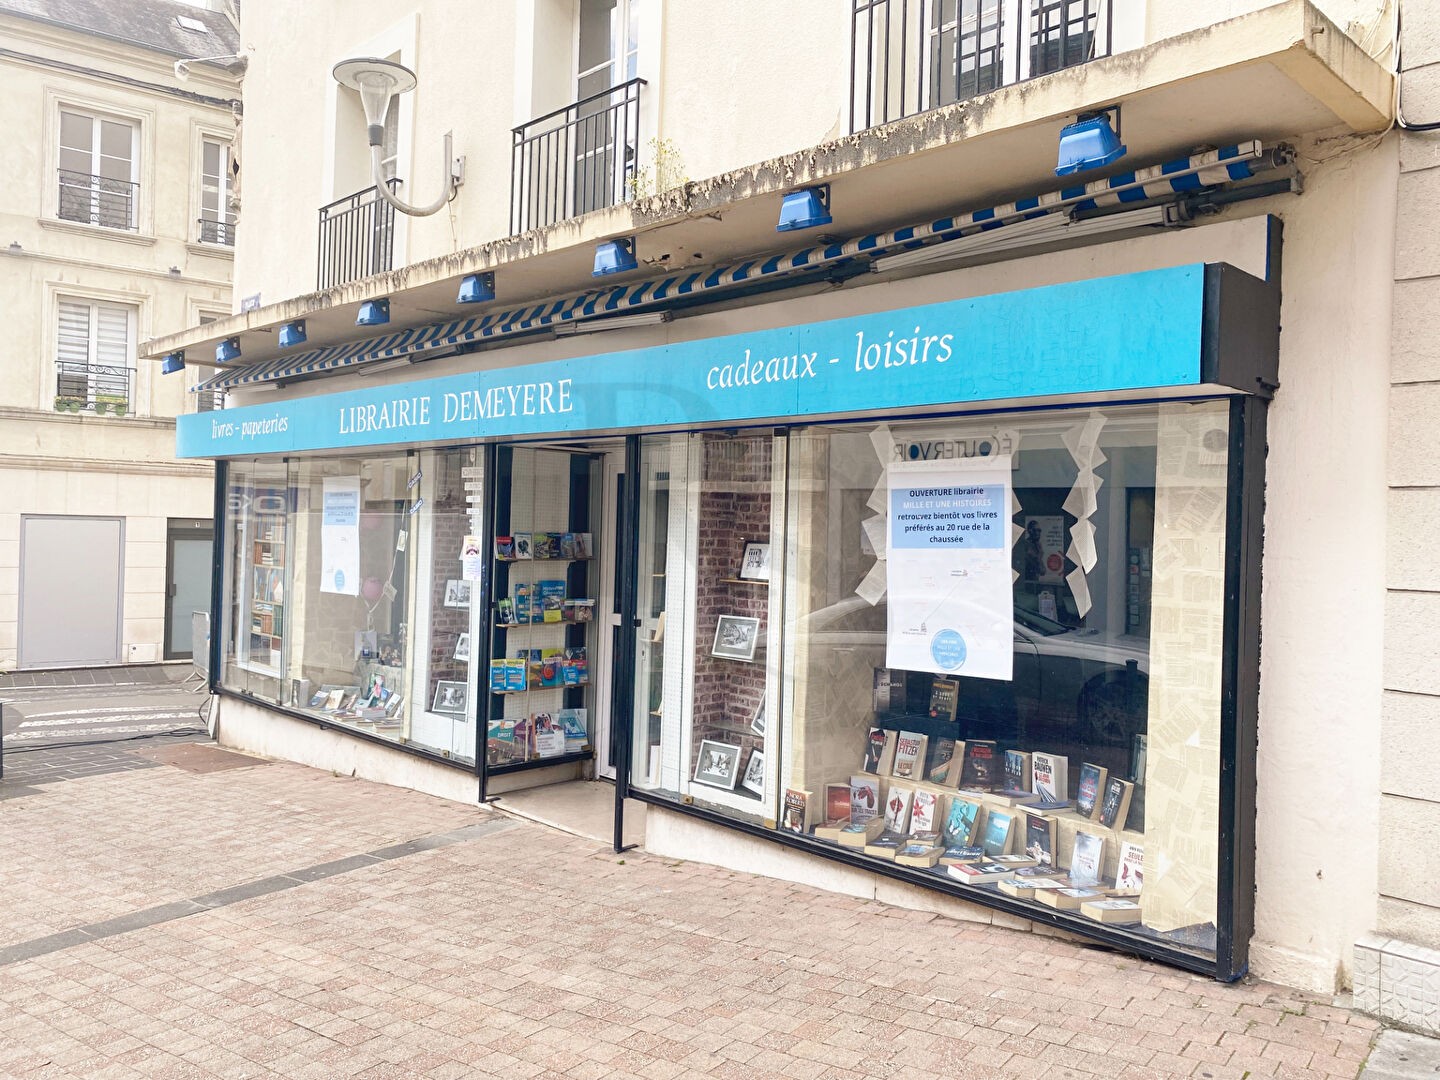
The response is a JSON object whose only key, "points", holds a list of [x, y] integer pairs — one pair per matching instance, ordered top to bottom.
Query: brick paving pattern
{"points": [[519, 951]]}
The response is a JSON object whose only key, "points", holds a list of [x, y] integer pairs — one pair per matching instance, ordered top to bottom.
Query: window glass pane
{"points": [[76, 132], [115, 145], [258, 555], [1113, 594], [348, 599], [708, 648]]}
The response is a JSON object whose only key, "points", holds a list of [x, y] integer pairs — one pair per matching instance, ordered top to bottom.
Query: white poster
{"points": [[340, 536], [950, 602]]}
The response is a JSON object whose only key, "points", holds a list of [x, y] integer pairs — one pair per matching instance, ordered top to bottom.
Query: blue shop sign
{"points": [[1134, 331]]}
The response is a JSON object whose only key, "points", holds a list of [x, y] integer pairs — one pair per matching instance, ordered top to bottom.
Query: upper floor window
{"points": [[99, 170], [217, 220], [95, 344]]}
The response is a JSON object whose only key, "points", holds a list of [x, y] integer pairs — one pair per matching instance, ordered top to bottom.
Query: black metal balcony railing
{"points": [[908, 56], [576, 159], [97, 200], [217, 232], [357, 237], [96, 387], [209, 400]]}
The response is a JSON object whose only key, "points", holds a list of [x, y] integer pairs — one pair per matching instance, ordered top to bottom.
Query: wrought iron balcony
{"points": [[908, 56], [576, 159], [97, 200], [217, 232], [357, 237], [95, 387]]}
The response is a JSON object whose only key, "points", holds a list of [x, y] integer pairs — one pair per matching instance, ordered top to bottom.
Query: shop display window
{"points": [[330, 562], [710, 576], [986, 649]]}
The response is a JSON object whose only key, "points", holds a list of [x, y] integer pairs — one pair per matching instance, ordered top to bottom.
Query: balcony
{"points": [[909, 56], [576, 159], [97, 200], [217, 232], [357, 237], [93, 387]]}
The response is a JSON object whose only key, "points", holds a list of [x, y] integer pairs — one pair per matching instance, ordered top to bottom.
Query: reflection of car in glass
{"points": [[1074, 691]]}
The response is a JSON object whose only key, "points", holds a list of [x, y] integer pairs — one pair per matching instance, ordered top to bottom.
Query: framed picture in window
{"points": [[754, 561], [736, 637], [450, 697], [718, 764]]}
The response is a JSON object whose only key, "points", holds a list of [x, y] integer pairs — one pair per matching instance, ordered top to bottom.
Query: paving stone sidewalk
{"points": [[273, 921]]}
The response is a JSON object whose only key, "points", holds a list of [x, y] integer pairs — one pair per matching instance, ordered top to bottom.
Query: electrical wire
{"points": [[107, 742]]}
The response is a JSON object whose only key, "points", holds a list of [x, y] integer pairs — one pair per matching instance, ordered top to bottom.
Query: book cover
{"points": [[522, 545], [546, 545], [567, 545], [584, 545], [504, 548], [552, 601], [522, 603], [580, 609], [505, 611], [549, 667], [517, 670], [497, 674], [889, 691], [944, 699], [575, 724], [879, 751], [909, 755], [942, 766], [979, 772], [1017, 772], [1050, 777], [1088, 789], [864, 798], [837, 802], [1116, 806], [897, 808], [924, 808], [795, 814], [961, 820], [998, 826], [860, 833], [1040, 839], [885, 846], [917, 853], [958, 854], [1087, 859], [1014, 862], [977, 873], [1130, 877], [1025, 888], [1068, 899], [1117, 912]]}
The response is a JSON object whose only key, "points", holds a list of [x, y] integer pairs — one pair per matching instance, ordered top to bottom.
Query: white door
{"points": [[607, 614]]}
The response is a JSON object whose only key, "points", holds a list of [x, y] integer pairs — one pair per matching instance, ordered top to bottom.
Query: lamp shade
{"points": [[1088, 143], [805, 209], [615, 256], [476, 289], [374, 313], [292, 334], [227, 350], [172, 363]]}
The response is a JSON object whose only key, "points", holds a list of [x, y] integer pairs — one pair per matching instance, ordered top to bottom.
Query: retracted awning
{"points": [[1196, 173]]}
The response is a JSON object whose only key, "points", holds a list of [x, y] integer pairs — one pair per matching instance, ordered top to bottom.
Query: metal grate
{"points": [[908, 56], [576, 159], [97, 200], [217, 232], [357, 237], [95, 387]]}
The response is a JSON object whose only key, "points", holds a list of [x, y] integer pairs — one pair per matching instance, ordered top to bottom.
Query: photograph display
{"points": [[736, 637]]}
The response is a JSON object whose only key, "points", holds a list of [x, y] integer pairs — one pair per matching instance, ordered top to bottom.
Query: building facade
{"points": [[116, 227], [801, 441]]}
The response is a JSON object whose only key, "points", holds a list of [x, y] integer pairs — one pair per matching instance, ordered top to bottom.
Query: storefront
{"points": [[866, 587]]}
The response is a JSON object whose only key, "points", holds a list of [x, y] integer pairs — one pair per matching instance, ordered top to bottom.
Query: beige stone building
{"points": [[115, 226], [860, 265]]}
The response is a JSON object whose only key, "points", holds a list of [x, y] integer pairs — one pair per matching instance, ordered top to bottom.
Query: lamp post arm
{"points": [[451, 183]]}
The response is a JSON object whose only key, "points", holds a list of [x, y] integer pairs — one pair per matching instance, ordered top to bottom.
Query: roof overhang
{"points": [[1195, 89]]}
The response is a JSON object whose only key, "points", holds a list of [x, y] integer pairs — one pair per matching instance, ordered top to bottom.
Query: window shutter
{"points": [[74, 333], [112, 337]]}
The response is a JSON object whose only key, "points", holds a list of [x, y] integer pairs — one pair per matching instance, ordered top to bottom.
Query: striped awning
{"points": [[1195, 173]]}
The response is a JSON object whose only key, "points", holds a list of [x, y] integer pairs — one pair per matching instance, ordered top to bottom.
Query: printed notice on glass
{"points": [[340, 536], [949, 568]]}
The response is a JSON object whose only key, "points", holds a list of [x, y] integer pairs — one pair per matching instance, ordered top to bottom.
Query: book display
{"points": [[267, 599], [543, 613]]}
